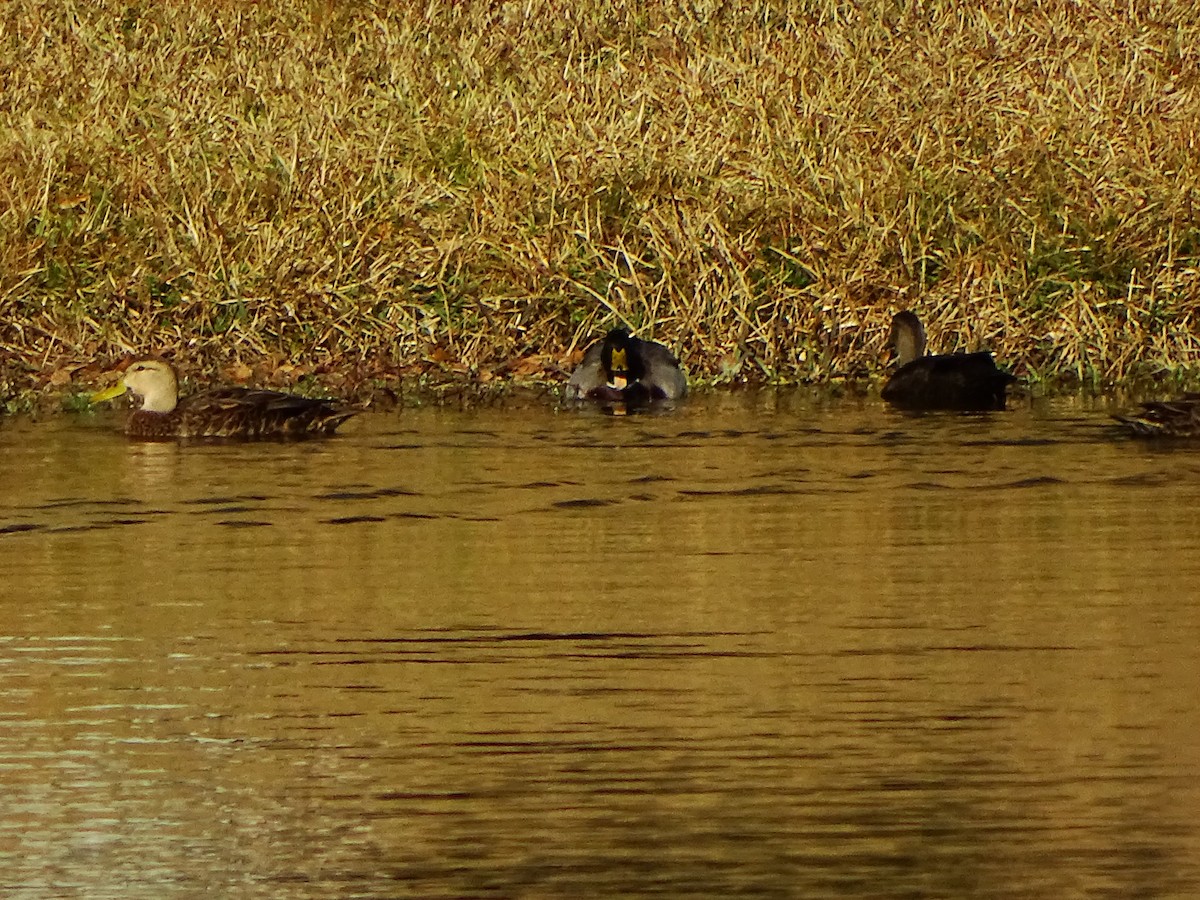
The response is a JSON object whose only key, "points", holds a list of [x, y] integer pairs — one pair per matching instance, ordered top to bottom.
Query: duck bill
{"points": [[618, 366], [108, 393]]}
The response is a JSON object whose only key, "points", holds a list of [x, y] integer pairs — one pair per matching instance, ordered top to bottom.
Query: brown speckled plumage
{"points": [[231, 413], [1178, 418]]}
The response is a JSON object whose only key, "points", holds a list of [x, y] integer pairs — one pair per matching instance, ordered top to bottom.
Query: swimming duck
{"points": [[625, 369], [963, 381], [243, 413], [1178, 418]]}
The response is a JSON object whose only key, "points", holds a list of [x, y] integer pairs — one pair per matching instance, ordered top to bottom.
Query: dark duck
{"points": [[953, 381]]}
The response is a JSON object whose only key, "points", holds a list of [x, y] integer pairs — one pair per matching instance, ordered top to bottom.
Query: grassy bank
{"points": [[366, 193]]}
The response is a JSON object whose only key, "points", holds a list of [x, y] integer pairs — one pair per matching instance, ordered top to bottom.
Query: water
{"points": [[767, 645]]}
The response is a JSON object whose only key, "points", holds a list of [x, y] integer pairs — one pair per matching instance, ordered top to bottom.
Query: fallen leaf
{"points": [[529, 365], [238, 372]]}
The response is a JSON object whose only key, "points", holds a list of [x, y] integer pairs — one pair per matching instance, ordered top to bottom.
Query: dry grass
{"points": [[362, 192]]}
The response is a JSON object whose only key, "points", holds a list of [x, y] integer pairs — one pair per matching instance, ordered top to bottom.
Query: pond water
{"points": [[768, 644]]}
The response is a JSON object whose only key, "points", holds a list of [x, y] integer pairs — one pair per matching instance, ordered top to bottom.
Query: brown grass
{"points": [[364, 192]]}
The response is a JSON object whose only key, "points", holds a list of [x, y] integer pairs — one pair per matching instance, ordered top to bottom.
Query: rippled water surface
{"points": [[764, 645]]}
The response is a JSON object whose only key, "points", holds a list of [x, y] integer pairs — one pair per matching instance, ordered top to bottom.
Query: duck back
{"points": [[955, 381], [240, 413]]}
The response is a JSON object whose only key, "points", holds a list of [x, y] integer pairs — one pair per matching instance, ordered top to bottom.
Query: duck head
{"points": [[907, 337], [153, 381]]}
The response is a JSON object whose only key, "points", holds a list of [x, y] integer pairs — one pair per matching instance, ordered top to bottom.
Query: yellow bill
{"points": [[618, 367], [108, 393]]}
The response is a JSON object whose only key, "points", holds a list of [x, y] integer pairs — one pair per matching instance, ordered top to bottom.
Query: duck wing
{"points": [[588, 375], [663, 378], [253, 413]]}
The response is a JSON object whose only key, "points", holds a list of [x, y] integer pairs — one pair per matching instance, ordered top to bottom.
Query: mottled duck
{"points": [[234, 413], [1179, 418]]}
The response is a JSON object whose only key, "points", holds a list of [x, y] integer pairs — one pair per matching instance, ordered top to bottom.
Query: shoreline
{"points": [[466, 393]]}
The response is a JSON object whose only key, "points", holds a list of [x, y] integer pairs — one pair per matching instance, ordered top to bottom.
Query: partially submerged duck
{"points": [[624, 369], [961, 381], [243, 413], [1179, 418]]}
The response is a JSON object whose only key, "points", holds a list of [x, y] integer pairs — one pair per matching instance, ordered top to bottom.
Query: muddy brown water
{"points": [[768, 644]]}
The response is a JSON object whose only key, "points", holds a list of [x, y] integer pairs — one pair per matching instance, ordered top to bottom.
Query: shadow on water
{"points": [[769, 644]]}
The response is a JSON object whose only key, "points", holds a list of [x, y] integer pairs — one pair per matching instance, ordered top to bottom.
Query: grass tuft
{"points": [[445, 193]]}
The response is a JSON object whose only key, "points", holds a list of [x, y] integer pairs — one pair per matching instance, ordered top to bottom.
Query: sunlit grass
{"points": [[452, 191]]}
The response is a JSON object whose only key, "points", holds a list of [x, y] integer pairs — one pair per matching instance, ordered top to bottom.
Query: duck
{"points": [[624, 369], [954, 381], [232, 413], [1178, 418]]}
